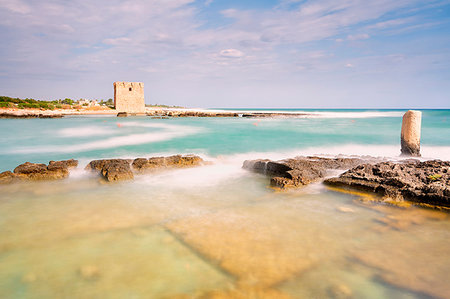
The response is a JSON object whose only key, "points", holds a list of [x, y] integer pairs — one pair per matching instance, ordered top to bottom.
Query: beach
{"points": [[216, 230]]}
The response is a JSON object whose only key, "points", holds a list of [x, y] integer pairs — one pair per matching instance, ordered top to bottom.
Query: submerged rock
{"points": [[143, 164], [299, 171], [423, 182]]}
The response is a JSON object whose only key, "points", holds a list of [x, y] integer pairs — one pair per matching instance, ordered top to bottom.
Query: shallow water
{"points": [[214, 231]]}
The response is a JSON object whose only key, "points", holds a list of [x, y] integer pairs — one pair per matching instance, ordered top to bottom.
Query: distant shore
{"points": [[149, 111]]}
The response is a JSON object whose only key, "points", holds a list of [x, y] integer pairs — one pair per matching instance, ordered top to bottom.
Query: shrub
{"points": [[6, 104]]}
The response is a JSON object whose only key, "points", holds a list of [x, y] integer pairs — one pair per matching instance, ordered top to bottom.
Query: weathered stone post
{"points": [[410, 136]]}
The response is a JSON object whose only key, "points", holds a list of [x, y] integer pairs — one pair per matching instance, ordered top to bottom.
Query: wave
{"points": [[328, 114]]}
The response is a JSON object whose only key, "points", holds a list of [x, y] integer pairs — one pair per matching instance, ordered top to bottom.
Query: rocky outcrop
{"points": [[187, 113], [194, 113], [122, 114], [143, 164], [112, 169], [122, 169], [32, 171], [299, 171], [423, 182]]}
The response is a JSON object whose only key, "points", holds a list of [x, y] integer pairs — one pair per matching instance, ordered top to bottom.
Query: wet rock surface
{"points": [[144, 164], [112, 169], [122, 169], [34, 171], [299, 171], [424, 182]]}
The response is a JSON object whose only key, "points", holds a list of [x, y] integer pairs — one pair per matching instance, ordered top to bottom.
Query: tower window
{"points": [[129, 89]]}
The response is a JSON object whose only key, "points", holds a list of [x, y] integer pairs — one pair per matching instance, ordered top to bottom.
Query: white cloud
{"points": [[360, 36], [116, 41], [162, 41], [231, 53]]}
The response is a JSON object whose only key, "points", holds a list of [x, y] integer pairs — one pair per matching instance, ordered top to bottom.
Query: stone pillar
{"points": [[410, 136]]}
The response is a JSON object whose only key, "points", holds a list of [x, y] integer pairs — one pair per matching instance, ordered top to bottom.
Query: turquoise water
{"points": [[328, 131], [215, 231]]}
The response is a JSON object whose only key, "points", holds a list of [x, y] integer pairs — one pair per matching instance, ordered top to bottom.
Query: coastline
{"points": [[149, 111]]}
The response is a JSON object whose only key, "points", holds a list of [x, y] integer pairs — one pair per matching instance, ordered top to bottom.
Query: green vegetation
{"points": [[8, 102], [109, 103]]}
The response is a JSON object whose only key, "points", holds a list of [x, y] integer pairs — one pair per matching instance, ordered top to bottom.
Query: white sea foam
{"points": [[330, 114], [362, 114], [84, 132], [170, 132], [229, 167], [203, 176]]}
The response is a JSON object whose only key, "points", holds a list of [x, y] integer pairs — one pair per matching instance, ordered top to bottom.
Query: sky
{"points": [[231, 53]]}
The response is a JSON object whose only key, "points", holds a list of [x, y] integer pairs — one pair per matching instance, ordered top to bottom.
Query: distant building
{"points": [[129, 97], [83, 102]]}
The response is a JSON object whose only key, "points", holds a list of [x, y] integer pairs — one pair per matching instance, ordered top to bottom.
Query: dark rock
{"points": [[122, 114], [143, 164], [112, 169], [298, 171], [424, 182]]}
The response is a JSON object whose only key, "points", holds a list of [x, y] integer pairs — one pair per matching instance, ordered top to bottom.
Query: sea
{"points": [[216, 231]]}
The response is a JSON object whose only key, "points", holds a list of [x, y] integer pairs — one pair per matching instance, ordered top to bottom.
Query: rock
{"points": [[29, 114], [122, 114], [410, 135], [72, 163], [143, 164], [30, 168], [112, 169], [33, 171], [298, 171], [7, 177], [424, 182]]}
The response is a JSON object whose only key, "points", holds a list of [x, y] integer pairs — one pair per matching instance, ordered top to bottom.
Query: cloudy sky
{"points": [[231, 53]]}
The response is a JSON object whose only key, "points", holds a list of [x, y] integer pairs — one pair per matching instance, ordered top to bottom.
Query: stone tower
{"points": [[129, 97]]}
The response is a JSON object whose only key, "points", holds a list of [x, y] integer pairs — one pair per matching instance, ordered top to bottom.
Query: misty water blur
{"points": [[215, 230]]}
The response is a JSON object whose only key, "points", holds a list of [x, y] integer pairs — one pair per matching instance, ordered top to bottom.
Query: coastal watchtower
{"points": [[129, 97]]}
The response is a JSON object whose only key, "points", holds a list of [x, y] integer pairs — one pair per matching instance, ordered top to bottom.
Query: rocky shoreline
{"points": [[152, 112], [110, 169], [409, 180]]}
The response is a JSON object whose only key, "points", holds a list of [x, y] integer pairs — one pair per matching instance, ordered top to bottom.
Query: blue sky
{"points": [[217, 53]]}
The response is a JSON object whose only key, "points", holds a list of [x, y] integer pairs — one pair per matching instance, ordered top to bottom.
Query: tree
{"points": [[67, 101], [110, 102]]}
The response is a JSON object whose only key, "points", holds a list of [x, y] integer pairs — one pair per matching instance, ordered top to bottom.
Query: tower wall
{"points": [[129, 97]]}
